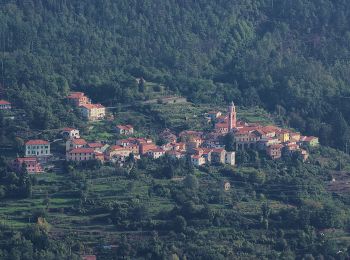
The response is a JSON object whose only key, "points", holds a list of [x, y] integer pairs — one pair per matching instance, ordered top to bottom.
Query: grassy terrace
{"points": [[191, 116], [63, 206]]}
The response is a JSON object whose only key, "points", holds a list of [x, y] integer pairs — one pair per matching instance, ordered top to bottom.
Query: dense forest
{"points": [[290, 57]]}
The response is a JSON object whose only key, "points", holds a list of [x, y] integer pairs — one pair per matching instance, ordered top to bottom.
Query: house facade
{"points": [[78, 99], [5, 105], [93, 112], [125, 129], [69, 133], [75, 143], [37, 148], [274, 151], [155, 153], [81, 154], [230, 158], [197, 160], [31, 165]]}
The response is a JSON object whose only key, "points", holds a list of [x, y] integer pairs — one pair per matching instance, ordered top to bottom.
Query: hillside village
{"points": [[199, 147]]}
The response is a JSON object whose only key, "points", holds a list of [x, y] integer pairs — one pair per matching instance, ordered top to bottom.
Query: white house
{"points": [[70, 133], [37, 148], [230, 158]]}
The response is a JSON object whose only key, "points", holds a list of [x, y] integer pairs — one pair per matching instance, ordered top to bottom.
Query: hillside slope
{"points": [[288, 56]]}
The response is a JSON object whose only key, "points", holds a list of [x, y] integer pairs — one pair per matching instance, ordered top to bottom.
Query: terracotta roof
{"points": [[75, 95], [4, 102], [98, 105], [92, 106], [221, 125], [125, 127], [271, 128], [68, 129], [246, 130], [308, 138], [79, 141], [37, 142], [95, 145], [131, 146], [276, 146], [117, 147], [82, 150], [156, 150], [218, 150], [26, 159]]}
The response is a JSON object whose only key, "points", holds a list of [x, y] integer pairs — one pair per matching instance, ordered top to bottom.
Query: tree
{"points": [[229, 142], [191, 182], [179, 224]]}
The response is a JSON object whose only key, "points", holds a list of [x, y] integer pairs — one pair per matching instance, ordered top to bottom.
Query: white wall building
{"points": [[37, 148]]}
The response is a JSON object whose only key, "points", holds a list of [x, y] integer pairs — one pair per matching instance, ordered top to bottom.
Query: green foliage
{"points": [[285, 56]]}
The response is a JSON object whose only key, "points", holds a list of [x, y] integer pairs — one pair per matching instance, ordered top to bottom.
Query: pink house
{"points": [[31, 164]]}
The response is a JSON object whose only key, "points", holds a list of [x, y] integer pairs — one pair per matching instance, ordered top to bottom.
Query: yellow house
{"points": [[93, 111], [283, 136], [295, 136]]}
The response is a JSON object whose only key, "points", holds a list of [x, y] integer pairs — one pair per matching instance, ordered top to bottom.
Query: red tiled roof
{"points": [[76, 95], [4, 102], [98, 105], [92, 106], [221, 125], [125, 127], [271, 128], [68, 129], [246, 129], [308, 138], [79, 141], [37, 142], [95, 145], [276, 146], [117, 147], [82, 150], [156, 150], [218, 150], [26, 159]]}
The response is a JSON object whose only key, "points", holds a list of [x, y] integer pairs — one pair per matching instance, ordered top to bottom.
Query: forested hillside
{"points": [[289, 56]]}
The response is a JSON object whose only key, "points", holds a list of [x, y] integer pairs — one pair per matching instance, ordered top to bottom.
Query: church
{"points": [[228, 123]]}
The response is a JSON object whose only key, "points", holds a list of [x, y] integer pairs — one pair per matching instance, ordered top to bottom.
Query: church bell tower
{"points": [[232, 117]]}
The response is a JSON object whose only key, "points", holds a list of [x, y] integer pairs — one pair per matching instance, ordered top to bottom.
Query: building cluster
{"points": [[88, 110], [275, 141], [187, 144], [198, 147], [37, 153]]}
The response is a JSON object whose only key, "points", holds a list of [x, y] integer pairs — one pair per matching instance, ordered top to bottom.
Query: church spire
{"points": [[232, 117]]}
